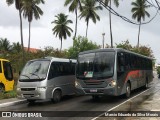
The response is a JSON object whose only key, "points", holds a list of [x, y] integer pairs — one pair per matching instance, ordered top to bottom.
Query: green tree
{"points": [[109, 3], [18, 5], [74, 6], [31, 9], [88, 12], [139, 13], [61, 29], [81, 44], [125, 45], [5, 46], [16, 47], [143, 50], [158, 71]]}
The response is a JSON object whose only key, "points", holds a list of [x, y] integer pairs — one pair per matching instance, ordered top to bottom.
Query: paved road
{"points": [[77, 106]]}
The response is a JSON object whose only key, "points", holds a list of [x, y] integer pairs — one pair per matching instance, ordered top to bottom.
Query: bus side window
{"points": [[127, 61], [121, 63], [73, 68], [7, 70], [54, 70], [51, 71]]}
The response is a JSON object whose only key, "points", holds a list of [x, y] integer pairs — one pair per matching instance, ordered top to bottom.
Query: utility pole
{"points": [[103, 34]]}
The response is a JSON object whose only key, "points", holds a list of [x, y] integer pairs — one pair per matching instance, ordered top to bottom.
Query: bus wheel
{"points": [[146, 84], [2, 89], [128, 90], [56, 96], [95, 97]]}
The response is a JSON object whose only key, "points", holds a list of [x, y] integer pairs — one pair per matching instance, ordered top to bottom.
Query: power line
{"points": [[125, 18]]}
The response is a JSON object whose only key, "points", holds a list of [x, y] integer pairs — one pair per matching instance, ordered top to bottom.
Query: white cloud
{"points": [[41, 31]]}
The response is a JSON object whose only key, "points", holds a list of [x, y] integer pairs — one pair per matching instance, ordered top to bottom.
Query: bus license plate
{"points": [[93, 90]]}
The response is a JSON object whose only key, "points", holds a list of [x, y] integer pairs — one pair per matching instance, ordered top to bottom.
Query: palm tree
{"points": [[109, 3], [18, 5], [74, 5], [30, 9], [89, 11], [139, 13], [61, 28], [4, 45], [16, 47]]}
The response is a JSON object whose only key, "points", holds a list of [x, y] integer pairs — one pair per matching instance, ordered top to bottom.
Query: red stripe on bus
{"points": [[133, 74]]}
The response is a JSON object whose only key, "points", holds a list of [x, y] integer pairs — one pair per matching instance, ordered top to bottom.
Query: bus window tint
{"points": [[121, 63], [104, 64], [85, 65], [95, 65], [0, 67], [61, 69], [7, 70], [35, 70]]}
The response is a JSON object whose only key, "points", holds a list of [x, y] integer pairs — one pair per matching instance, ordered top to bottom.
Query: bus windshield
{"points": [[99, 65], [36, 69]]}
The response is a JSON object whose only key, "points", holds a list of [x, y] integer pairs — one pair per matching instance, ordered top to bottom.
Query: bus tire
{"points": [[146, 84], [2, 89], [128, 90], [57, 96], [95, 97]]}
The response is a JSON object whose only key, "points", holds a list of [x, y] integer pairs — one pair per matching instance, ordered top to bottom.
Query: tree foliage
{"points": [[108, 3], [74, 6], [31, 10], [88, 12], [139, 13], [61, 28], [81, 44], [143, 50]]}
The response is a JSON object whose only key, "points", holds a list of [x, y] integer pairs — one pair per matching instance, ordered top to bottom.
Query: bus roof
{"points": [[113, 50], [2, 59], [55, 59]]}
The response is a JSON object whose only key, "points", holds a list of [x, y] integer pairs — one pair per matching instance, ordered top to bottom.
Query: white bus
{"points": [[47, 78]]}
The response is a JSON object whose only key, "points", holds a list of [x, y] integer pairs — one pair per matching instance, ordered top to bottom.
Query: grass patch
{"points": [[9, 94], [6, 95]]}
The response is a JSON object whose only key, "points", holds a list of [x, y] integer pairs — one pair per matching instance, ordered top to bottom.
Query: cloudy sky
{"points": [[42, 36]]}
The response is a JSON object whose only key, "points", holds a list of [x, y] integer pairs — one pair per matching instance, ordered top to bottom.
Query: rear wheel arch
{"points": [[129, 82], [146, 83], [128, 89], [56, 95]]}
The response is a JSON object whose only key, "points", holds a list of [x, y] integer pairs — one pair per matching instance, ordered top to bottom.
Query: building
{"points": [[33, 50]]}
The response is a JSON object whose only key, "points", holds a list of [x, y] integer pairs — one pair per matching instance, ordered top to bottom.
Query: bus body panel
{"points": [[6, 71], [136, 71], [44, 89]]}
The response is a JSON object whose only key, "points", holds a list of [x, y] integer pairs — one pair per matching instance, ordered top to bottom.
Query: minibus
{"points": [[47, 78]]}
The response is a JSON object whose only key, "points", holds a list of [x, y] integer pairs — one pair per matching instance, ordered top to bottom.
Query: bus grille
{"points": [[93, 82], [27, 89]]}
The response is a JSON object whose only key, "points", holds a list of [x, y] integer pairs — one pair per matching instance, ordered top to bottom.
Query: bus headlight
{"points": [[113, 83], [77, 84], [18, 88], [41, 88]]}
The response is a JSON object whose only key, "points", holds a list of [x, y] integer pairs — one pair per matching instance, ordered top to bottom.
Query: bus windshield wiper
{"points": [[35, 75], [26, 76]]}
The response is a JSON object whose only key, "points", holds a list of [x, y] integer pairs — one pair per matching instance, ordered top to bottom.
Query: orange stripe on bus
{"points": [[133, 74]]}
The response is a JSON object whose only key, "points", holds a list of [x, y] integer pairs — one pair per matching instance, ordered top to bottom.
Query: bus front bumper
{"points": [[96, 91], [31, 95]]}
